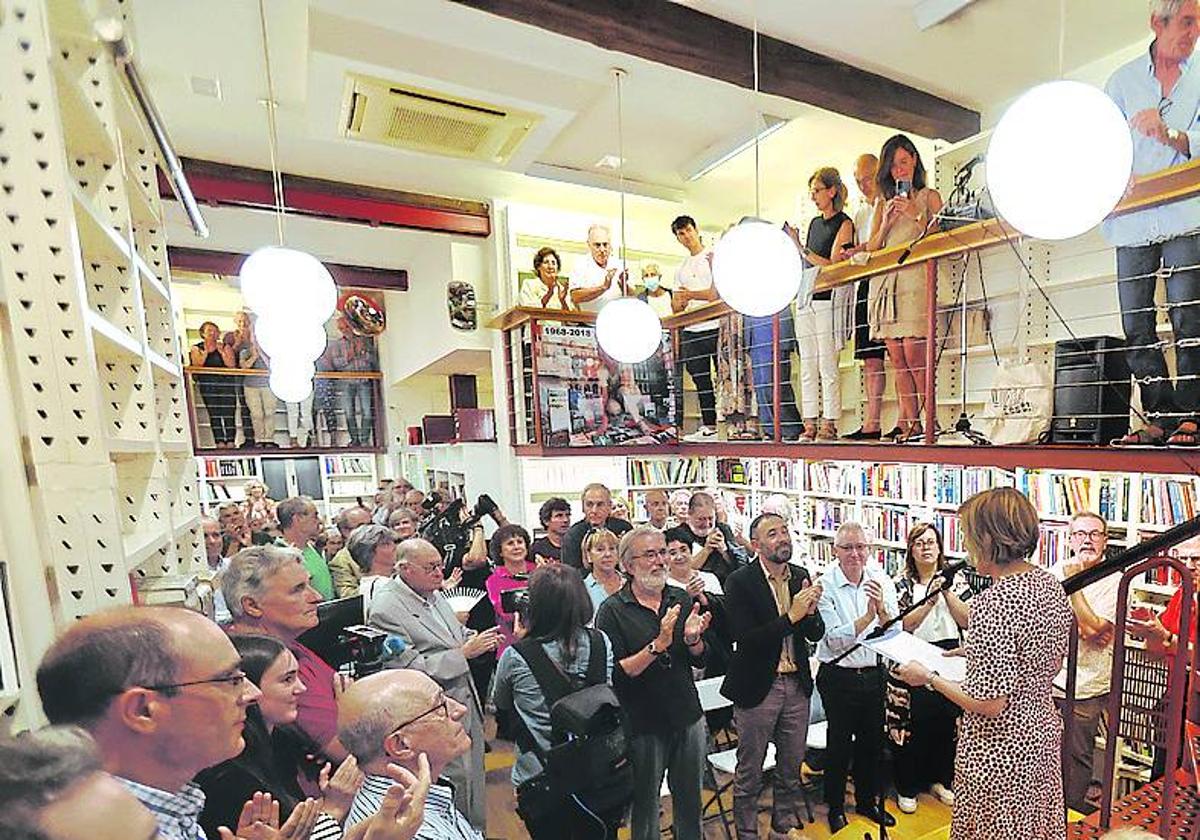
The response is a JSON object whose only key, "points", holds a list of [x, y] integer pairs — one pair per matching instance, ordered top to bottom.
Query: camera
{"points": [[515, 601], [362, 646]]}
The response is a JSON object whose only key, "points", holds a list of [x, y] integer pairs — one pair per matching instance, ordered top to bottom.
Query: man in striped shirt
{"points": [[392, 718]]}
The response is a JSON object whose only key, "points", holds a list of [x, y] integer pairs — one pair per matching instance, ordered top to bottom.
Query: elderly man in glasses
{"points": [[1095, 608], [657, 636], [161, 691], [396, 717]]}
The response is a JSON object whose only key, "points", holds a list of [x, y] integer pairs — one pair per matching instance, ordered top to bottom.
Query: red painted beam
{"points": [[220, 184], [229, 263]]}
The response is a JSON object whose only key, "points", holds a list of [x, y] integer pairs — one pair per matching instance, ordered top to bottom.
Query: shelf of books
{"points": [[344, 479], [887, 498]]}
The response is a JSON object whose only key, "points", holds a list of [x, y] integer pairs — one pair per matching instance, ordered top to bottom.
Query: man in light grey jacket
{"points": [[413, 607]]}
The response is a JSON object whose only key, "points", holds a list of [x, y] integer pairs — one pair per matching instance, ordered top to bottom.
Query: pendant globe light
{"points": [[1042, 180], [756, 267], [289, 290], [627, 329]]}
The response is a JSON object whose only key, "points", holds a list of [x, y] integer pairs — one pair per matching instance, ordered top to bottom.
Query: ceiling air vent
{"points": [[377, 111]]}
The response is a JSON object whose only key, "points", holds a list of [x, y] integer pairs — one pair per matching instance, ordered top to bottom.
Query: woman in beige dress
{"points": [[897, 302]]}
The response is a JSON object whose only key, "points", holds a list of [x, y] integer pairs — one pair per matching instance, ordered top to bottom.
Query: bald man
{"points": [[597, 278], [867, 349], [658, 509], [161, 691], [395, 716]]}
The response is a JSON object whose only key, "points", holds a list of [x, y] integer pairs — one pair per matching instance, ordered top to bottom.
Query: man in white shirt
{"points": [[595, 282], [698, 344], [870, 351], [854, 601], [1095, 608]]}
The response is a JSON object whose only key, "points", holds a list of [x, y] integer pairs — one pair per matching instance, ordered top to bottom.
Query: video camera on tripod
{"points": [[449, 529]]}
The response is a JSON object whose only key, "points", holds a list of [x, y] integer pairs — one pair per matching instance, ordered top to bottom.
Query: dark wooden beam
{"points": [[672, 34], [223, 184], [228, 263]]}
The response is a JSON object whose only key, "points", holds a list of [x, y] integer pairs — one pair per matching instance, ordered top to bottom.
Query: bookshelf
{"points": [[344, 478], [887, 498]]}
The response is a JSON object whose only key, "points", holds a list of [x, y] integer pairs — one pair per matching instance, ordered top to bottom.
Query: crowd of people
{"points": [[730, 358], [234, 400], [215, 726]]}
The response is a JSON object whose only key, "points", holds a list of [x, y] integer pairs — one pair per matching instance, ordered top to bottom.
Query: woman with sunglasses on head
{"points": [[897, 302], [600, 556], [921, 724], [274, 753]]}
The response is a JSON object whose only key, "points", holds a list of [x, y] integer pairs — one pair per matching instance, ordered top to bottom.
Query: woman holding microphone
{"points": [[1007, 768]]}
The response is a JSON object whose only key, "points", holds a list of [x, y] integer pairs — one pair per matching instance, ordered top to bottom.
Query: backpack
{"points": [[589, 753]]}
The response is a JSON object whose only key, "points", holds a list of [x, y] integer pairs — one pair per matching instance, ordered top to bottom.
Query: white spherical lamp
{"points": [[1059, 160], [756, 268], [287, 282], [628, 330], [290, 340], [290, 385]]}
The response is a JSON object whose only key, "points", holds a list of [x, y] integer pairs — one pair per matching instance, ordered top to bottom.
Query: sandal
{"points": [[826, 431], [809, 433], [895, 434], [1186, 434], [1149, 436]]}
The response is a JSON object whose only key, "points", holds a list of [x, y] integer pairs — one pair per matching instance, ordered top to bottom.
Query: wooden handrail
{"points": [[1163, 187], [321, 374]]}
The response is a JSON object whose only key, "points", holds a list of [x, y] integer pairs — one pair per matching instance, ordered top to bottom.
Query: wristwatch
{"points": [[1173, 135], [653, 652]]}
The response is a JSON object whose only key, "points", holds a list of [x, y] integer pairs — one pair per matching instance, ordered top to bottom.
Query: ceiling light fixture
{"points": [[723, 151], [1042, 181], [755, 266], [290, 291], [627, 329]]}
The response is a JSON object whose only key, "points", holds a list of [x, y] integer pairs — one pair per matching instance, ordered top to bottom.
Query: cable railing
{"points": [[995, 301]]}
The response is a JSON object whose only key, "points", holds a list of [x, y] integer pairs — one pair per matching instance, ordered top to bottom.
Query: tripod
{"points": [[962, 426]]}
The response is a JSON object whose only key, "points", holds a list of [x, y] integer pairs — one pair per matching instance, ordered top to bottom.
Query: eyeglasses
{"points": [[1091, 536], [924, 544], [856, 547], [652, 553], [234, 680], [443, 706]]}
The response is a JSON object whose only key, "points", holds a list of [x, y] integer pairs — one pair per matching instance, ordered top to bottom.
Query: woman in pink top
{"points": [[509, 549]]}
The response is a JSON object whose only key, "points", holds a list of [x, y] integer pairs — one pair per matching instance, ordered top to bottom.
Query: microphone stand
{"points": [[879, 632]]}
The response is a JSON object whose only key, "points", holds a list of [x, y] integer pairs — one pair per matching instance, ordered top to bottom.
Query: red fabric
{"points": [[1170, 618], [318, 705]]}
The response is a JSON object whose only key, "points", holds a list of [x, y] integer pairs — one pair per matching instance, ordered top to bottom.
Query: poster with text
{"points": [[588, 399]]}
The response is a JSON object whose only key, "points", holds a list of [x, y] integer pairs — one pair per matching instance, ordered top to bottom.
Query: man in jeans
{"points": [[1161, 99], [698, 342], [1095, 608], [772, 609], [657, 636]]}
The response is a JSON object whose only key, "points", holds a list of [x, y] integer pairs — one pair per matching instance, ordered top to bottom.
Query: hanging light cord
{"points": [[1062, 37], [618, 73], [757, 130], [276, 177]]}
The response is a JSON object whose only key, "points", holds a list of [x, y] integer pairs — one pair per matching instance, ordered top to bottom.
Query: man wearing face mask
{"points": [[654, 292], [714, 547]]}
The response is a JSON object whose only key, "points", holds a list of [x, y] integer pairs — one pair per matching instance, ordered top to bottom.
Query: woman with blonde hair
{"points": [[828, 234], [600, 557], [1007, 767]]}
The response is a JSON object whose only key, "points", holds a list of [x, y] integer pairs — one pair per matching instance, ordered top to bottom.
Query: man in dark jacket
{"points": [[597, 513], [715, 548], [772, 609]]}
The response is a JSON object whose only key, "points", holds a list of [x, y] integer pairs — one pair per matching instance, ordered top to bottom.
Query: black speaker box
{"points": [[1091, 391]]}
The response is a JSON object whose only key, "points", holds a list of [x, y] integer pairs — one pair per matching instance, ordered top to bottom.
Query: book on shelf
{"points": [[336, 465], [230, 467], [732, 471], [659, 472], [777, 474], [833, 478], [902, 482], [952, 485], [1056, 494], [1167, 501], [826, 514], [886, 522], [1053, 544]]}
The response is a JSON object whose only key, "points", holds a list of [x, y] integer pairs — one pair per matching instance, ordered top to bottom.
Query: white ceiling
{"points": [[987, 54]]}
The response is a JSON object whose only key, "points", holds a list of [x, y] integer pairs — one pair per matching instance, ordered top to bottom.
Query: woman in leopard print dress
{"points": [[1007, 776]]}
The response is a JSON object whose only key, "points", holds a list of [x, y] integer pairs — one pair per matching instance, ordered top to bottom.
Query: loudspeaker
{"points": [[1091, 391]]}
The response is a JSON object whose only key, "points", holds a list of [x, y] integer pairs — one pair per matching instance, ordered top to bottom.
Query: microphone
{"points": [[947, 574]]}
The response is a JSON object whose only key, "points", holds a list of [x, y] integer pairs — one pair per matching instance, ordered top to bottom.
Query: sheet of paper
{"points": [[901, 647]]}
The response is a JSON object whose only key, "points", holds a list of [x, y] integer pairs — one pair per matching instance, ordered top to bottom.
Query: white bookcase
{"points": [[344, 478], [887, 498]]}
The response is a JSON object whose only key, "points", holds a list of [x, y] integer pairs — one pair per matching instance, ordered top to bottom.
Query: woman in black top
{"points": [[828, 234], [217, 391], [274, 751]]}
